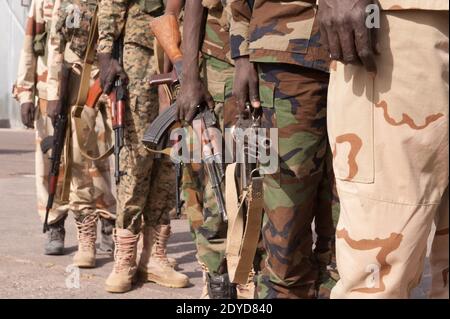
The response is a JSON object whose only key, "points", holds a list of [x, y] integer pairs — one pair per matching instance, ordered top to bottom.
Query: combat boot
{"points": [[87, 235], [55, 238], [107, 242], [154, 265], [124, 270], [220, 287]]}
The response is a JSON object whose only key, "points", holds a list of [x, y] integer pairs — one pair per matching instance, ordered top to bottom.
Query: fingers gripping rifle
{"points": [[166, 31], [117, 99], [56, 142]]}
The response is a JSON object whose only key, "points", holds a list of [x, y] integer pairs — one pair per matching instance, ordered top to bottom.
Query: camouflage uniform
{"points": [[283, 39], [31, 84], [389, 135], [90, 187], [145, 190], [208, 229]]}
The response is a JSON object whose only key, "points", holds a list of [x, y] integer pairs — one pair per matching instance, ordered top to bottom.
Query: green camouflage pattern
{"points": [[274, 32], [295, 103]]}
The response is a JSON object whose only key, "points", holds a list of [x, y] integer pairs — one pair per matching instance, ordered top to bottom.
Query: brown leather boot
{"points": [[87, 235], [154, 265], [121, 277]]}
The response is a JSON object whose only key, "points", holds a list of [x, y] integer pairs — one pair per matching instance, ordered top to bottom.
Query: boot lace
{"points": [[87, 232], [160, 251], [124, 252]]}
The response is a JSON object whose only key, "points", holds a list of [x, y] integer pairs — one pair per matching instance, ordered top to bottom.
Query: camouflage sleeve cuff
{"points": [[239, 28], [105, 46], [25, 97]]}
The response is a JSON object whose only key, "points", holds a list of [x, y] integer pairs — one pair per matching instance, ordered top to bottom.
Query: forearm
{"points": [[174, 7], [111, 22], [194, 24]]}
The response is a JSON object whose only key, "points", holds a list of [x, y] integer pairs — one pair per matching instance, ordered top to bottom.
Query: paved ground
{"points": [[26, 273]]}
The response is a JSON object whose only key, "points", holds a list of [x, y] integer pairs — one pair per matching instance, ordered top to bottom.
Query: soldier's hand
{"points": [[345, 34], [110, 71], [245, 86], [193, 93], [163, 98], [52, 110], [27, 111]]}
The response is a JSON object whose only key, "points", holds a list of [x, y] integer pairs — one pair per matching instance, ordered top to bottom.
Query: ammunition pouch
{"points": [[153, 7], [39, 44]]}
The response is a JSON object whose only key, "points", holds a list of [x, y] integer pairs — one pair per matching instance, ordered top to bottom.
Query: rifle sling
{"points": [[83, 91], [243, 235]]}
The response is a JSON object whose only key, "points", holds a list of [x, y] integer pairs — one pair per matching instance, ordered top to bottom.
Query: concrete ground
{"points": [[25, 272]]}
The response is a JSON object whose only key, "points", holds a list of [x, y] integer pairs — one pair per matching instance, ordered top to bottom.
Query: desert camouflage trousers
{"points": [[294, 100], [389, 135], [89, 182], [146, 191], [207, 228]]}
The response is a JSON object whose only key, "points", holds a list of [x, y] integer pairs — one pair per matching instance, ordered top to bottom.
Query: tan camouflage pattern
{"points": [[413, 4], [113, 20], [277, 32], [32, 72], [390, 149], [90, 183], [142, 193]]}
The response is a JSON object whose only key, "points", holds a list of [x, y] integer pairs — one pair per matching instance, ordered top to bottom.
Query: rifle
{"points": [[166, 30], [117, 99], [56, 142]]}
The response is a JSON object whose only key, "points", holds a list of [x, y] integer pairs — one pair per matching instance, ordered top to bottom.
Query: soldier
{"points": [[289, 81], [31, 84], [388, 127], [90, 182], [140, 195], [208, 228]]}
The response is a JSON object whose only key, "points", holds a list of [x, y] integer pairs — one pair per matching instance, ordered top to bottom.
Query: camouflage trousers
{"points": [[294, 101], [391, 152], [90, 183], [146, 191]]}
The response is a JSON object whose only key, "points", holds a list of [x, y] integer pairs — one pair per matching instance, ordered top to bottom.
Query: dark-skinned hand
{"points": [[344, 32], [110, 70], [245, 85], [193, 93], [27, 111]]}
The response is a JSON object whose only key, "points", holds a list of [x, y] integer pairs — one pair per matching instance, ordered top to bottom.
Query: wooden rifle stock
{"points": [[95, 91]]}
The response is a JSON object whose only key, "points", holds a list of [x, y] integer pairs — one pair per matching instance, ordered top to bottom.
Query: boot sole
{"points": [[54, 252], [85, 265], [159, 281], [118, 289]]}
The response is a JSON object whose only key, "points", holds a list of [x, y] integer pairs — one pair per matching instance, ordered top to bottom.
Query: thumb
{"points": [[253, 91]]}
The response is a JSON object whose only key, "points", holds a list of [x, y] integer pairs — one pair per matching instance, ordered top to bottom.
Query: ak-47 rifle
{"points": [[166, 30], [117, 100], [56, 142]]}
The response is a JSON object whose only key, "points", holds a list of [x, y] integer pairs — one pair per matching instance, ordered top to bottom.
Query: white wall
{"points": [[12, 22]]}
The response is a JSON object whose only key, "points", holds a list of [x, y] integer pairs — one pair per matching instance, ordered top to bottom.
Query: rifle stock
{"points": [[95, 91]]}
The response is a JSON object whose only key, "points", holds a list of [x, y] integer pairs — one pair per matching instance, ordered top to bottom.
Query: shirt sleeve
{"points": [[241, 14], [111, 22], [55, 57], [26, 75]]}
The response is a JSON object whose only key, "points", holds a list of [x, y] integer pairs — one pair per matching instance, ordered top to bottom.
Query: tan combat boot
{"points": [[87, 235], [154, 265], [121, 277]]}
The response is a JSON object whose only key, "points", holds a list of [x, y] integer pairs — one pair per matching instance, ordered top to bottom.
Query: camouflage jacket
{"points": [[414, 4], [130, 17], [277, 32], [217, 36], [32, 73]]}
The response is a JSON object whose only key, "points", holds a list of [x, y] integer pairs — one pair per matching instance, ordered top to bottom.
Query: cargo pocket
{"points": [[350, 123]]}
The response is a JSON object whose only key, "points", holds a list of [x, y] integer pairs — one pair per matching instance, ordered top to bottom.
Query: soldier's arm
{"points": [[111, 23], [55, 55], [245, 85], [25, 86], [193, 92]]}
